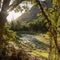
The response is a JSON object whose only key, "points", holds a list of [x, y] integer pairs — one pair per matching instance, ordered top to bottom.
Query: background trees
{"points": [[51, 15]]}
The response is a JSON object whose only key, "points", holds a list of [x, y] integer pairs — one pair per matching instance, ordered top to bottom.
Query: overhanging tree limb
{"points": [[15, 4], [5, 5], [42, 10], [54, 32]]}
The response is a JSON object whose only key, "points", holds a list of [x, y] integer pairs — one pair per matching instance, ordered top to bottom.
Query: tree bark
{"points": [[3, 15], [2, 30]]}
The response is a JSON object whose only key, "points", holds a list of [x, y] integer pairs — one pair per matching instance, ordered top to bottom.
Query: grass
{"points": [[43, 38], [37, 52], [40, 53]]}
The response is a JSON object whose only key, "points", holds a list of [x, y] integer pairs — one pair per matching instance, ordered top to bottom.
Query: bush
{"points": [[9, 36]]}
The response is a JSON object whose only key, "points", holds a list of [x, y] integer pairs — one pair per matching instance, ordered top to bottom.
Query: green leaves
{"points": [[18, 8], [9, 35]]}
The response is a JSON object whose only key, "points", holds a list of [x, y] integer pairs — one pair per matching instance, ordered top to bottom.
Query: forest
{"points": [[29, 29]]}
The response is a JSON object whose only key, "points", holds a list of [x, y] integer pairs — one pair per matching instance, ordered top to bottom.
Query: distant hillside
{"points": [[32, 14], [28, 16]]}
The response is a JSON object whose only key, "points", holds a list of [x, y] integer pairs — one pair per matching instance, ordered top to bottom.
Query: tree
{"points": [[4, 8], [52, 20]]}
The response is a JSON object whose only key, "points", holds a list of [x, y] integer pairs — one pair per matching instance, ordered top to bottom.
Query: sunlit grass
{"points": [[37, 52], [40, 53]]}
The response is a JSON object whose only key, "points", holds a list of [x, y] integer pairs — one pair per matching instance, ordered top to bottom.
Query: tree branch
{"points": [[0, 3], [15, 4], [5, 5], [42, 10], [54, 33]]}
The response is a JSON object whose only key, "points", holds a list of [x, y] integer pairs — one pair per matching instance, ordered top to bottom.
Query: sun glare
{"points": [[13, 15]]}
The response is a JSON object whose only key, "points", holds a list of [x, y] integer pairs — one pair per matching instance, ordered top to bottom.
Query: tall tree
{"points": [[4, 8], [3, 15], [52, 19]]}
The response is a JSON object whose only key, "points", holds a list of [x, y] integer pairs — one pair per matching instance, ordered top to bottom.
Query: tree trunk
{"points": [[2, 30]]}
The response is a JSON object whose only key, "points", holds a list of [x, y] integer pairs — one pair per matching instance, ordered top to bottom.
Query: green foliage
{"points": [[17, 9], [38, 24], [9, 35]]}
